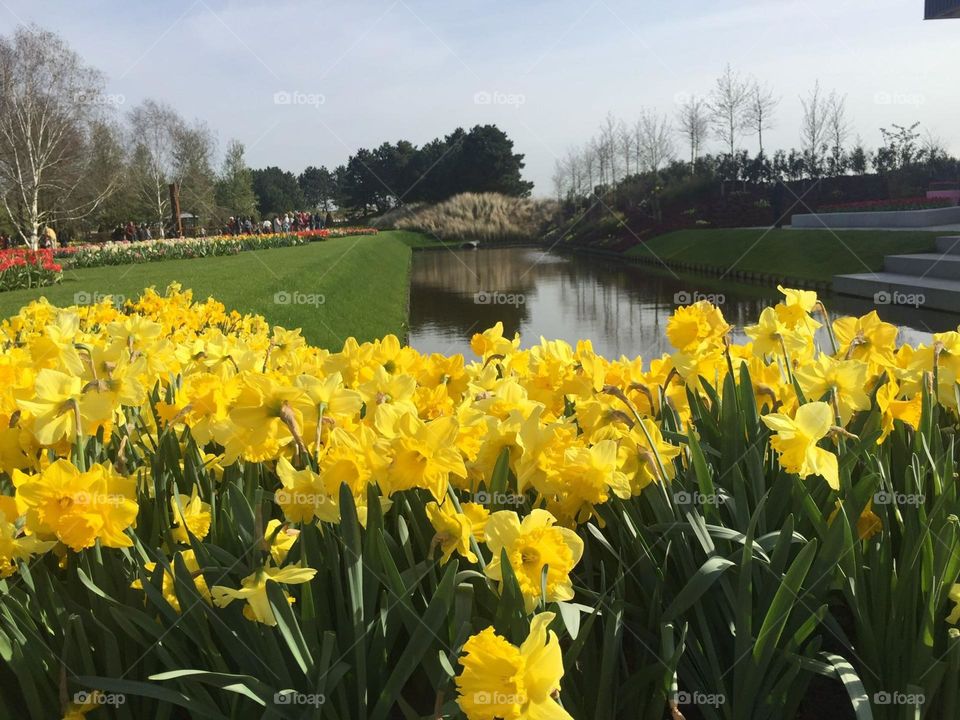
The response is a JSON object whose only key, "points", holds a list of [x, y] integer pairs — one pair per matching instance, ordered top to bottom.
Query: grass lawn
{"points": [[418, 239], [806, 254], [360, 283]]}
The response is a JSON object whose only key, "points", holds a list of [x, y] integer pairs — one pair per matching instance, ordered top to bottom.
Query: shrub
{"points": [[475, 216]]}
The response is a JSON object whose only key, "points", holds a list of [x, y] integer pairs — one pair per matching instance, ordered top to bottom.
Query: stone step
{"points": [[949, 244], [937, 265], [888, 288]]}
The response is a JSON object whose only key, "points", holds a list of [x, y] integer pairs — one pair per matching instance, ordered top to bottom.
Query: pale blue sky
{"points": [[412, 69]]}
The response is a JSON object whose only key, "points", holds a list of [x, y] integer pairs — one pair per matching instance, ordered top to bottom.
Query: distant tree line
{"points": [[623, 154], [70, 159], [374, 181]]}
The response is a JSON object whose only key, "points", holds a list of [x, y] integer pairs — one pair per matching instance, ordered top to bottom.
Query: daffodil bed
{"points": [[204, 516]]}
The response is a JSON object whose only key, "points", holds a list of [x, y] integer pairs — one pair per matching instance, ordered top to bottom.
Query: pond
{"points": [[622, 308]]}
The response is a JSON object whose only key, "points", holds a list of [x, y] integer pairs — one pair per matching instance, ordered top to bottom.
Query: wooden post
{"points": [[175, 208]]}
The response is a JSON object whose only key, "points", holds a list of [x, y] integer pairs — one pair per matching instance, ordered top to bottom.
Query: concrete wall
{"points": [[887, 219]]}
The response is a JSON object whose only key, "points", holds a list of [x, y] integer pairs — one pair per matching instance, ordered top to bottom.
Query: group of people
{"points": [[297, 221], [131, 232], [47, 238]]}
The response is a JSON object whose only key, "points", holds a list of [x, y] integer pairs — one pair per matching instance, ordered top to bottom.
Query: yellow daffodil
{"points": [[866, 338], [844, 381], [796, 441], [305, 496], [78, 508], [189, 513], [453, 530], [281, 538], [531, 545], [15, 546], [169, 583], [253, 589], [501, 680]]}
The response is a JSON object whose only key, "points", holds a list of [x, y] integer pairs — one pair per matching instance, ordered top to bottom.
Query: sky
{"points": [[306, 83]]}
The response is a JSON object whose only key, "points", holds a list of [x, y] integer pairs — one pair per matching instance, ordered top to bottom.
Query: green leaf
{"points": [[696, 586]]}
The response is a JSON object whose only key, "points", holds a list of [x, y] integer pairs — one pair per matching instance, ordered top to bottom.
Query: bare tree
{"points": [[50, 101], [728, 105], [761, 105], [693, 120], [813, 125], [156, 128], [838, 130], [625, 141], [656, 141], [608, 144], [933, 146], [591, 163], [193, 168], [561, 182]]}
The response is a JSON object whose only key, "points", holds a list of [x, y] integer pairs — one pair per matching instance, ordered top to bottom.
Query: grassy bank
{"points": [[418, 239], [805, 254], [333, 289]]}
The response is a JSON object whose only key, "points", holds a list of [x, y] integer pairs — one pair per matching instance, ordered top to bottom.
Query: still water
{"points": [[622, 308]]}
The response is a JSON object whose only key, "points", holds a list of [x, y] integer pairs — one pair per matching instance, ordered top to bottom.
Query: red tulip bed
{"points": [[23, 268]]}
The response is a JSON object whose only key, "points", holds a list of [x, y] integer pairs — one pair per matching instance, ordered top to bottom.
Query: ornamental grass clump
{"points": [[202, 515]]}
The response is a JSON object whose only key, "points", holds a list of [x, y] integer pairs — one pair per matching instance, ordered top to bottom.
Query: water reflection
{"points": [[623, 309]]}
